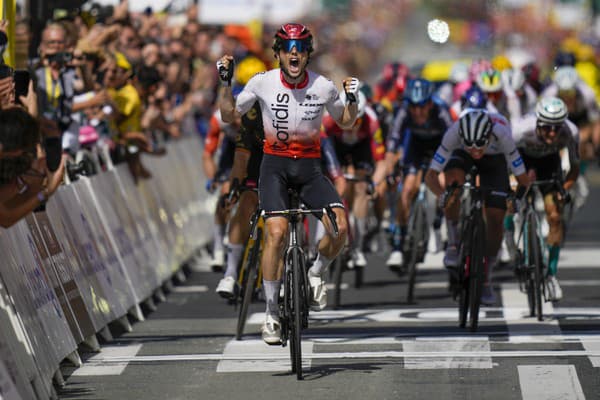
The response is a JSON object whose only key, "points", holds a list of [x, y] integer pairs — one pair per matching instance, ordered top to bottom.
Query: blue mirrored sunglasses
{"points": [[300, 45]]}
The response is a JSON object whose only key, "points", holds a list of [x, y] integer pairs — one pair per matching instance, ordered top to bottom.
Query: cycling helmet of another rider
{"points": [[564, 58], [500, 63], [478, 66], [514, 79], [566, 79], [489, 81], [419, 92], [474, 98], [551, 113], [475, 128]]}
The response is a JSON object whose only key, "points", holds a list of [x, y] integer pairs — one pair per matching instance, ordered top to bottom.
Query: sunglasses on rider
{"points": [[300, 45], [548, 127], [477, 144]]}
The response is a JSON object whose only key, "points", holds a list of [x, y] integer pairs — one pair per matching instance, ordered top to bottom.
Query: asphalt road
{"points": [[375, 346]]}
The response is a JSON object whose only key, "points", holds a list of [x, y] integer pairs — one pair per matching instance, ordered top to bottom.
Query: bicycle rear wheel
{"points": [[416, 238], [476, 270], [250, 271], [297, 313]]}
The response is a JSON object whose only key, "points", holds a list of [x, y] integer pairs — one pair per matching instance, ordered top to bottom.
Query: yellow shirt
{"points": [[129, 105]]}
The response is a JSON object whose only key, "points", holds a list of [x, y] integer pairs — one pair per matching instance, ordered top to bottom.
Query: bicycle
{"points": [[417, 235], [343, 261], [531, 268], [249, 276], [468, 276], [293, 310]]}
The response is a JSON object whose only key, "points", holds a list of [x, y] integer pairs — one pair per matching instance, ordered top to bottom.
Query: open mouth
{"points": [[294, 65]]}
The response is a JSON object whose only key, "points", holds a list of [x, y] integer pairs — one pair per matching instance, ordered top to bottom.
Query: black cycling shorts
{"points": [[418, 151], [358, 154], [547, 167], [278, 173], [493, 175]]}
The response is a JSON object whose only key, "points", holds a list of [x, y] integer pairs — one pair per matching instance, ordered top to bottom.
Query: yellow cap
{"points": [[122, 61], [501, 62]]}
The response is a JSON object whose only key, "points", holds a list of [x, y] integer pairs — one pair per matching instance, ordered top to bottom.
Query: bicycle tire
{"points": [[415, 238], [527, 265], [476, 270], [359, 273], [463, 276], [538, 279], [249, 284], [297, 312]]}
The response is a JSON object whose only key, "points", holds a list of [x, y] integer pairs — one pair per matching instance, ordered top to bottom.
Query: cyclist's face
{"points": [[293, 61], [420, 113], [548, 133], [476, 152]]}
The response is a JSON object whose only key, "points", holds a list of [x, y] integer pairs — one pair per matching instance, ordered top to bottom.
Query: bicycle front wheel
{"points": [[535, 254], [250, 271], [476, 271], [297, 313]]}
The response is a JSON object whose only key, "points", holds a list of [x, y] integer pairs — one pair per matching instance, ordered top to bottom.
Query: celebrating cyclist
{"points": [[292, 101], [418, 128], [540, 137], [483, 140]]}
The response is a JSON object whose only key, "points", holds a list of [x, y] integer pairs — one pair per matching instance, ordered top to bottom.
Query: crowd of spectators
{"points": [[133, 81]]}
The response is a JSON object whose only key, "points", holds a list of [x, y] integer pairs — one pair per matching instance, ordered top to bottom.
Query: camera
{"points": [[62, 58]]}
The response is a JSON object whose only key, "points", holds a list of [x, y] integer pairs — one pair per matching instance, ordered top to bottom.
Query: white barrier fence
{"points": [[103, 246]]}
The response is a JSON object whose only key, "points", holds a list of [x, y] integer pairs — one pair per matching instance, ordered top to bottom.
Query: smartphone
{"points": [[21, 77]]}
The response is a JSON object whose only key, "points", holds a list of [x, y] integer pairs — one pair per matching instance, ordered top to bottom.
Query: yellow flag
{"points": [[8, 9]]}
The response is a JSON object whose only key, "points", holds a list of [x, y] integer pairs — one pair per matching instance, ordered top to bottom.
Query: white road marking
{"points": [[331, 286], [190, 289], [592, 345], [439, 346], [272, 353], [279, 360], [103, 364], [550, 382]]}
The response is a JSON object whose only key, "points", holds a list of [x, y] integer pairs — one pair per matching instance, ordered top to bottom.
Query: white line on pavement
{"points": [[190, 289], [436, 346], [120, 356], [550, 382]]}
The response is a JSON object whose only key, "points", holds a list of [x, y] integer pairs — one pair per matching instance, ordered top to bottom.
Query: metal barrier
{"points": [[103, 246]]}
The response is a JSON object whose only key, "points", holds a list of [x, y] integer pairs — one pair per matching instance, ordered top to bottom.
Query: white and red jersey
{"points": [[291, 113], [216, 126]]}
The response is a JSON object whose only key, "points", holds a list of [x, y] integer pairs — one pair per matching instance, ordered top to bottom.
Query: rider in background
{"points": [[418, 129], [540, 137], [483, 140], [360, 148]]}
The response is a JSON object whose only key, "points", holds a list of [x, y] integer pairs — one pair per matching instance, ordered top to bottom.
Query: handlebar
{"points": [[294, 212]]}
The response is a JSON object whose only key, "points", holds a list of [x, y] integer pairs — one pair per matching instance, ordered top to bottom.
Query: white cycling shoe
{"points": [[318, 293], [271, 330]]}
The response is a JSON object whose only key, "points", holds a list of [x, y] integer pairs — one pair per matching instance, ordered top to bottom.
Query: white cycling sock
{"points": [[361, 231], [218, 235], [234, 254], [320, 265], [271, 289]]}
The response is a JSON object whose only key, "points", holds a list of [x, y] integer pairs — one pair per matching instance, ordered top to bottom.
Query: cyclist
{"points": [[490, 82], [471, 98], [521, 98], [292, 101], [583, 111], [418, 129], [540, 137], [482, 139], [360, 147], [245, 169]]}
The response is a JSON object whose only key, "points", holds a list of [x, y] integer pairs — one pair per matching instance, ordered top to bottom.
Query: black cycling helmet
{"points": [[290, 35], [564, 58], [418, 91]]}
